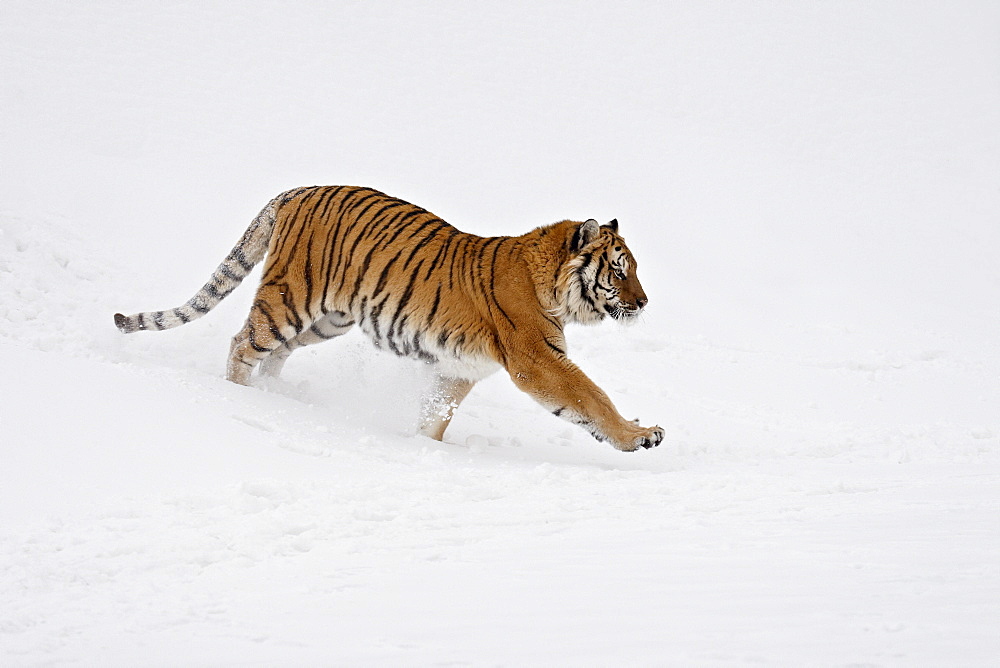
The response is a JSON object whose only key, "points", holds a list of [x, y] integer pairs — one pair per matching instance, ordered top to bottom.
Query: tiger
{"points": [[340, 256]]}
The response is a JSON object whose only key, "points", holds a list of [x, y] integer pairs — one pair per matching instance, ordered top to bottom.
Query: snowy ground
{"points": [[811, 191]]}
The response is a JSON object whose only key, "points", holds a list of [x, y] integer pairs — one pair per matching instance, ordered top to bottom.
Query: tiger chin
{"points": [[343, 256]]}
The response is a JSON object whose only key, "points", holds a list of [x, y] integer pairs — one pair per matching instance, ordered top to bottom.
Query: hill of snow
{"points": [[811, 193]]}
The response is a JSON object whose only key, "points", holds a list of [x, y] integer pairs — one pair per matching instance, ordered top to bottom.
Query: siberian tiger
{"points": [[339, 256]]}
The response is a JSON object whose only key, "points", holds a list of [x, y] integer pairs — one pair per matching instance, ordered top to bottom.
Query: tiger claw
{"points": [[653, 440]]}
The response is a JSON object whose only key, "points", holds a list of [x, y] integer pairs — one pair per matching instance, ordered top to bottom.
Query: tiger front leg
{"points": [[562, 388], [439, 405]]}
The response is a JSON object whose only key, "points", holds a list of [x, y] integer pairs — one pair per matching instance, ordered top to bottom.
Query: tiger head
{"points": [[600, 277]]}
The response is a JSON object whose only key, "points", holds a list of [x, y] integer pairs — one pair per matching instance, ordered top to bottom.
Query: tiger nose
{"points": [[641, 301]]}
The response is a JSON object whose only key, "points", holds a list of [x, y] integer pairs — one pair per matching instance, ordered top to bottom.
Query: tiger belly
{"points": [[452, 357], [470, 368]]}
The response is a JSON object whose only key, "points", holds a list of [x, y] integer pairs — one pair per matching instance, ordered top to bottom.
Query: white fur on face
{"points": [[588, 287]]}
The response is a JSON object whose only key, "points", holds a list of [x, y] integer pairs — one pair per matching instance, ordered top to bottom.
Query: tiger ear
{"points": [[613, 225], [584, 234]]}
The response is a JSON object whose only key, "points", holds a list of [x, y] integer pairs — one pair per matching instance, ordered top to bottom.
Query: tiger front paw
{"points": [[641, 438], [653, 438]]}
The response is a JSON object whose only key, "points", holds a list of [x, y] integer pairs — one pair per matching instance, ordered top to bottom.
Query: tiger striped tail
{"points": [[250, 250]]}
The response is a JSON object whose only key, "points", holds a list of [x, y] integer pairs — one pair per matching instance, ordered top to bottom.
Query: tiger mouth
{"points": [[622, 311], [627, 313]]}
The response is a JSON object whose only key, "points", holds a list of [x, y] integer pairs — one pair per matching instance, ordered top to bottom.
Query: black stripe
{"points": [[292, 194], [366, 195], [371, 196], [328, 197], [384, 205], [401, 223], [349, 224], [298, 225], [331, 227], [281, 241], [423, 242], [376, 244], [574, 244], [442, 253], [329, 254], [458, 254], [238, 255], [602, 262], [228, 273], [384, 276], [493, 276], [308, 277], [584, 292], [216, 294], [401, 304], [434, 306], [376, 312], [362, 316], [294, 317], [345, 321], [553, 321], [272, 324], [320, 334], [253, 344], [402, 347], [554, 347], [421, 353]]}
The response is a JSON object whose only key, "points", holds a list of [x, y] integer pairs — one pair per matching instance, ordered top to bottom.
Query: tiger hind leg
{"points": [[329, 326], [267, 328], [249, 347], [440, 403]]}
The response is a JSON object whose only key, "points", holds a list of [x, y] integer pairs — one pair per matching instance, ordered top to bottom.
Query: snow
{"points": [[811, 193]]}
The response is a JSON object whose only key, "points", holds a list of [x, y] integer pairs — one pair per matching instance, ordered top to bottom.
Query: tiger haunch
{"points": [[340, 256]]}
